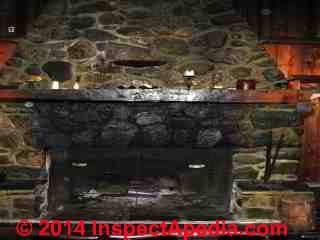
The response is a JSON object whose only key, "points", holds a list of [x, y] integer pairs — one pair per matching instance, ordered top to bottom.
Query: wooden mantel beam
{"points": [[157, 95]]}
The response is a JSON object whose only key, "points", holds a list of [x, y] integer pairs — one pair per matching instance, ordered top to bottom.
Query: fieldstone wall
{"points": [[204, 35], [22, 168]]}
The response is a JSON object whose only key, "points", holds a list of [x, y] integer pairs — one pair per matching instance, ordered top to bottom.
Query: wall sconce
{"points": [[188, 75], [55, 85], [76, 85], [246, 85], [218, 87]]}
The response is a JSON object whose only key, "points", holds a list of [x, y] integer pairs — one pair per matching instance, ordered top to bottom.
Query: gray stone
{"points": [[99, 6], [138, 12], [110, 18], [82, 22], [98, 35], [210, 39], [172, 46], [82, 49], [58, 54], [228, 56], [241, 72], [273, 74], [276, 117], [148, 118], [118, 133], [156, 135], [208, 138], [249, 158], [245, 173]]}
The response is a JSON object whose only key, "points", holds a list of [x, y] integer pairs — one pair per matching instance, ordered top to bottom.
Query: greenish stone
{"points": [[172, 46], [241, 72], [273, 75], [276, 117], [260, 213]]}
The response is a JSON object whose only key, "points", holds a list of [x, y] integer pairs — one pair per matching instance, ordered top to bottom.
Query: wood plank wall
{"points": [[287, 19]]}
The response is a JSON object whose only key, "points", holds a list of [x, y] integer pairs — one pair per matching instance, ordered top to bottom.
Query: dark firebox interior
{"points": [[140, 110]]}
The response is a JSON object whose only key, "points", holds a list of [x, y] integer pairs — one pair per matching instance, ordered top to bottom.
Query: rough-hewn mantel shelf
{"points": [[157, 95]]}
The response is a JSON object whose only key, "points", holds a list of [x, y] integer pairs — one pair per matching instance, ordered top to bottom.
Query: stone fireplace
{"points": [[208, 37]]}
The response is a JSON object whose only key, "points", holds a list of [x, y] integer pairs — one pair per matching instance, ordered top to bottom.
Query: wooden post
{"points": [[310, 162]]}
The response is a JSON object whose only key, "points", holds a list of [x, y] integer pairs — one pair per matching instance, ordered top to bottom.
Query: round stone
{"points": [[82, 22], [98, 35], [210, 39], [172, 46], [81, 50], [228, 56], [241, 72], [273, 74], [148, 118], [119, 133], [156, 135], [208, 138]]}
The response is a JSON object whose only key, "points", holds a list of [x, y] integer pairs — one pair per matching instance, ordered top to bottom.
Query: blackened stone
{"points": [[99, 6], [182, 10], [138, 12], [110, 18], [227, 19], [82, 22], [239, 27], [98, 35], [210, 39], [101, 46], [172, 46], [81, 50], [228, 56], [241, 72], [273, 75], [196, 111], [88, 117], [148, 118], [182, 123], [118, 133], [156, 135], [182, 137], [84, 138], [208, 138], [57, 140]]}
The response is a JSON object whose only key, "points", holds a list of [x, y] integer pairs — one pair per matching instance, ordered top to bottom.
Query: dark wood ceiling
{"points": [[283, 20]]}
